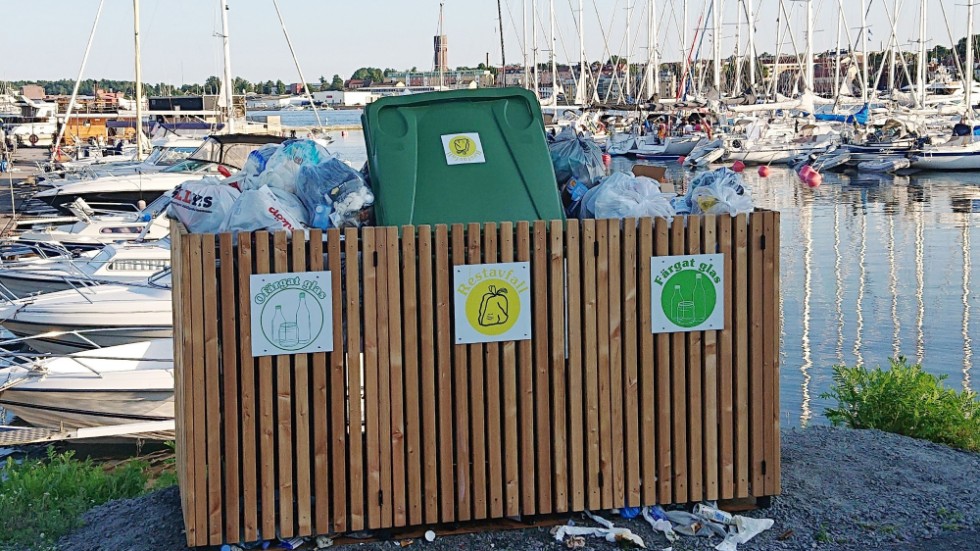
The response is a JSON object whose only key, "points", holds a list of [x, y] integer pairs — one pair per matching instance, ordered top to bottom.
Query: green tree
{"points": [[368, 73], [337, 83], [212, 85], [243, 86], [280, 87]]}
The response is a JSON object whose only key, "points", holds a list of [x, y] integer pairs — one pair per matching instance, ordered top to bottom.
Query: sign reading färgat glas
{"points": [[688, 293], [492, 302], [291, 313]]}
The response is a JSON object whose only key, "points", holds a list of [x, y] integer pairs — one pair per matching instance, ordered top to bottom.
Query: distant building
{"points": [[440, 45], [296, 88], [32, 91], [341, 98]]}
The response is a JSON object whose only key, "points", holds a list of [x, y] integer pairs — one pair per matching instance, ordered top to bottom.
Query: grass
{"points": [[905, 400], [43, 499]]}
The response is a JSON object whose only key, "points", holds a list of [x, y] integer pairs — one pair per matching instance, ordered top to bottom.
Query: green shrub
{"points": [[905, 400], [43, 499]]}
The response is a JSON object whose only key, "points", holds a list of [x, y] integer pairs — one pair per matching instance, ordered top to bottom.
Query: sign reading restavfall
{"points": [[688, 293], [492, 302], [291, 313]]}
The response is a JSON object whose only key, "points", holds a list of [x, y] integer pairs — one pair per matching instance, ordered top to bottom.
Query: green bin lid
{"points": [[458, 157]]}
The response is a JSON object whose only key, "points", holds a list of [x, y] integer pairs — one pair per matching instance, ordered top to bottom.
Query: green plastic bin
{"points": [[458, 157]]}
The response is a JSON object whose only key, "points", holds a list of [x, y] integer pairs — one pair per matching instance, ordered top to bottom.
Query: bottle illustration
{"points": [[675, 300], [700, 300], [303, 320], [277, 322]]}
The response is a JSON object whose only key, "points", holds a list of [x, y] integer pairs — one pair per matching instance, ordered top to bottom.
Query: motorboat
{"points": [[893, 138], [960, 152], [165, 153], [221, 153], [96, 228], [47, 272], [89, 317], [117, 385]]}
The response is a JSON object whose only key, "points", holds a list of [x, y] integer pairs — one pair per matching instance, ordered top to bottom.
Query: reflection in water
{"points": [[806, 213], [920, 278], [862, 281], [893, 288], [839, 295], [967, 348]]}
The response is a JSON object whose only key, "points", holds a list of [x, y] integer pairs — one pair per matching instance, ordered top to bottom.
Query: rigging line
{"points": [[513, 23], [949, 33], [606, 52], [306, 89]]}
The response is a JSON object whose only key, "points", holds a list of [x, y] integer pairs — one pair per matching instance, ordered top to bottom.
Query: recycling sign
{"points": [[688, 293], [492, 302], [291, 313]]}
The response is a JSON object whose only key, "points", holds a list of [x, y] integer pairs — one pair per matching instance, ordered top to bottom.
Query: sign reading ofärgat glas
{"points": [[688, 293], [492, 302], [291, 313]]}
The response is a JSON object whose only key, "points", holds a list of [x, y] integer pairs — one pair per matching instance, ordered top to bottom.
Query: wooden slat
{"points": [[774, 296], [556, 299], [589, 307], [770, 317], [186, 322], [445, 334], [741, 345], [756, 354], [647, 368], [616, 371], [678, 372], [396, 377], [384, 378], [709, 378], [355, 383], [229, 385], [338, 389], [525, 389], [212, 390], [694, 390], [199, 391], [664, 391], [493, 399], [428, 402], [542, 404], [301, 408], [574, 409], [324, 410], [477, 411], [284, 412], [631, 412], [249, 423], [413, 432], [726, 437], [372, 446], [511, 450], [267, 464], [606, 482], [464, 483]]}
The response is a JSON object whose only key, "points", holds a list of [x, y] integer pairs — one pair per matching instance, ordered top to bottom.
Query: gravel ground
{"points": [[842, 490]]}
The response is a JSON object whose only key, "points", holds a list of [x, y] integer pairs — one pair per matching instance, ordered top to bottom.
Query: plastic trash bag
{"points": [[576, 157], [255, 164], [284, 165], [717, 192], [333, 193], [623, 195], [202, 205], [262, 209]]}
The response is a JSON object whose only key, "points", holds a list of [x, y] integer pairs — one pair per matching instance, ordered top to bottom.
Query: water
{"points": [[871, 267]]}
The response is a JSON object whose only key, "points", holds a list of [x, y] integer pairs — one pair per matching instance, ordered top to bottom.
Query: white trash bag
{"points": [[623, 195], [202, 205], [262, 209]]}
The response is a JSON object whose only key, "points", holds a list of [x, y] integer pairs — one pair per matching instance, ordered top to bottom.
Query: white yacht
{"points": [[960, 152]]}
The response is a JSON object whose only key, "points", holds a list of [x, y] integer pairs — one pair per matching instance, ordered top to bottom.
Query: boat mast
{"points": [[750, 16], [840, 16], [716, 42], [893, 43], [534, 45], [809, 46], [629, 47], [864, 50], [922, 53], [503, 54], [554, 55], [687, 59], [653, 64], [442, 68], [968, 69], [299, 71], [527, 75], [78, 81], [139, 81], [229, 82], [580, 89], [734, 89]]}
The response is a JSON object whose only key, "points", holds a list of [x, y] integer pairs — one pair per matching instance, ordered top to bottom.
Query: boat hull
{"points": [[947, 161], [66, 339]]}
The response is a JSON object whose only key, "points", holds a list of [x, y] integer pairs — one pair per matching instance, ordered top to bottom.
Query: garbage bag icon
{"points": [[493, 307]]}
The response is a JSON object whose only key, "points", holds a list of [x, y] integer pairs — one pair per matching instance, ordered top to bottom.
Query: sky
{"points": [[180, 41]]}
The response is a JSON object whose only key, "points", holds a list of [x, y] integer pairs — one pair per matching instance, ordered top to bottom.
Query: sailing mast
{"points": [[750, 16], [840, 16], [716, 43], [534, 44], [809, 46], [629, 47], [864, 50], [684, 52], [922, 54], [503, 55], [554, 56], [653, 59], [968, 69], [527, 75], [78, 81], [139, 82], [229, 82], [580, 91]]}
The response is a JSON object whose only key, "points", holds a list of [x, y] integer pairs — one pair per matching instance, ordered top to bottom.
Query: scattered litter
{"points": [[576, 158], [717, 192], [623, 195], [629, 512], [713, 514], [598, 520], [658, 521], [612, 535], [785, 535], [430, 536], [323, 542], [406, 542], [575, 542], [292, 543]]}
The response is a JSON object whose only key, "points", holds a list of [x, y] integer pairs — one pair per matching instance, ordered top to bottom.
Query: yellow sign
{"points": [[463, 148], [492, 302]]}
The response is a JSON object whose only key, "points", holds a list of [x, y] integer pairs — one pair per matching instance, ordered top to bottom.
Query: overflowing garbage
{"points": [[290, 186], [720, 191], [622, 195], [706, 520]]}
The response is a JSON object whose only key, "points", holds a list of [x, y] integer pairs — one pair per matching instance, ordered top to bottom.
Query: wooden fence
{"points": [[605, 415]]}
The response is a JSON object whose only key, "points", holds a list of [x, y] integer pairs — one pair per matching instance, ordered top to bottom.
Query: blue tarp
{"points": [[861, 117]]}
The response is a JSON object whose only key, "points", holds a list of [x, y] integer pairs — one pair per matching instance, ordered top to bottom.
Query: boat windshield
{"points": [[168, 156], [188, 165]]}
